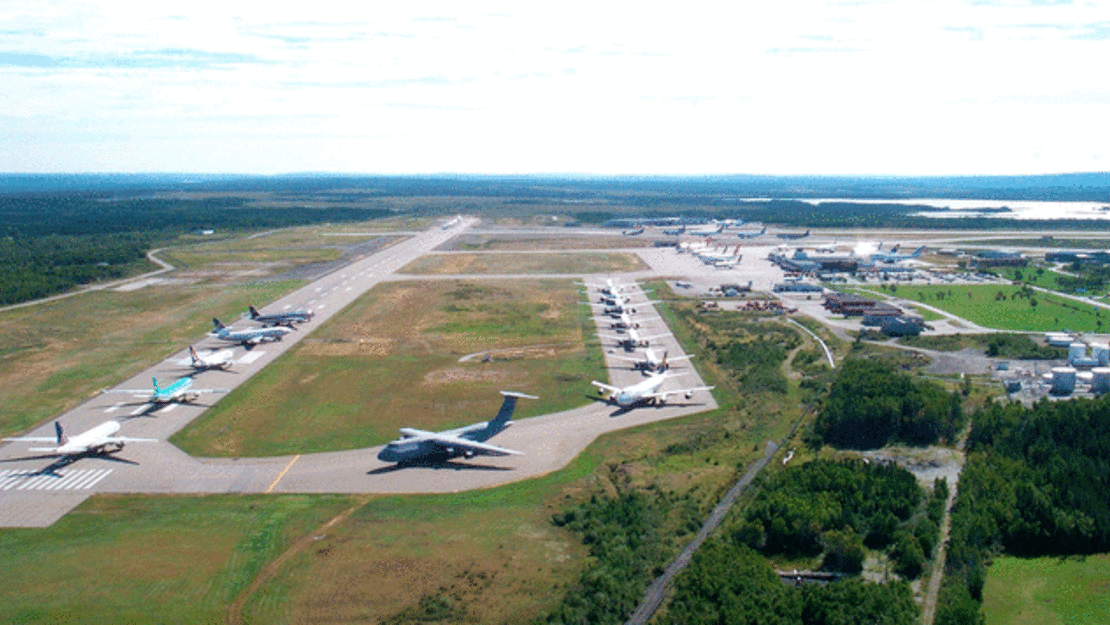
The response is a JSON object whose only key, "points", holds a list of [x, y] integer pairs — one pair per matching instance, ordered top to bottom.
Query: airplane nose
{"points": [[387, 455]]}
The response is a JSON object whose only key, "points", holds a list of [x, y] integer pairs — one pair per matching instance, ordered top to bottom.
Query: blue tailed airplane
{"points": [[417, 445]]}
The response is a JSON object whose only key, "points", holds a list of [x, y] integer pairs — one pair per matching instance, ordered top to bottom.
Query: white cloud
{"points": [[794, 87]]}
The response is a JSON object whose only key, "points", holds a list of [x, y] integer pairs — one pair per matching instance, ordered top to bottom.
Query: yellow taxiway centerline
{"points": [[283, 472]]}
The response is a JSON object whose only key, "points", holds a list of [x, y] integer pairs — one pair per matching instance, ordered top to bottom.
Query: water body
{"points": [[1018, 209]]}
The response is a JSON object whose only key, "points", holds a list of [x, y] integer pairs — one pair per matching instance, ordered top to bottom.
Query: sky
{"points": [[859, 87]]}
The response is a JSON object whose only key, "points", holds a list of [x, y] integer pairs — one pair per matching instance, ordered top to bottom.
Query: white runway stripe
{"points": [[114, 407], [139, 409], [103, 475], [67, 479], [79, 479], [34, 482]]}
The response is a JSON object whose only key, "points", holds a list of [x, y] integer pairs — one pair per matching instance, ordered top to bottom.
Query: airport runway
{"points": [[31, 498]]}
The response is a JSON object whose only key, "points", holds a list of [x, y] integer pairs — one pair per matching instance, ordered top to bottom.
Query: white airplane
{"points": [[826, 249], [610, 287], [624, 321], [247, 338], [633, 339], [220, 360], [652, 361], [181, 391], [646, 392], [98, 441], [469, 441]]}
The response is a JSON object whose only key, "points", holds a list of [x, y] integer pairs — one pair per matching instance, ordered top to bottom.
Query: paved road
{"points": [[29, 497]]}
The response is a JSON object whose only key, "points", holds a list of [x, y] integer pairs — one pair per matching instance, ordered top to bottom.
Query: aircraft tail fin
{"points": [[918, 251], [254, 312], [217, 324], [193, 354], [155, 382], [507, 407], [60, 434]]}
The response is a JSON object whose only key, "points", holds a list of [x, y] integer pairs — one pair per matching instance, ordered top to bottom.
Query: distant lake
{"points": [[1019, 209]]}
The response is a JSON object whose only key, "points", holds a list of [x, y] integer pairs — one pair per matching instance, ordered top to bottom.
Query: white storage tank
{"points": [[1076, 351], [1101, 353], [1063, 380], [1100, 380]]}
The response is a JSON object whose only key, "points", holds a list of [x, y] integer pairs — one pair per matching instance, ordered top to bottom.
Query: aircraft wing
{"points": [[654, 336], [613, 337], [629, 359], [611, 389], [680, 391], [31, 439], [128, 439], [458, 442]]}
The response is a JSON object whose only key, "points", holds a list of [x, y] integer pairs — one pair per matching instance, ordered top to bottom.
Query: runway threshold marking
{"points": [[283, 472]]}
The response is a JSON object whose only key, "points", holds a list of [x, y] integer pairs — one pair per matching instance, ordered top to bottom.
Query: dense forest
{"points": [[49, 244], [871, 404], [1035, 483], [836, 510], [729, 583]]}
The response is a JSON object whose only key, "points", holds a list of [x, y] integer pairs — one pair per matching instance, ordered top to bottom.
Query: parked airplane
{"points": [[712, 228], [634, 232], [676, 232], [751, 235], [792, 236], [894, 257], [281, 319], [626, 322], [247, 337], [633, 339], [219, 360], [652, 361], [180, 391], [646, 392], [98, 441], [468, 441]]}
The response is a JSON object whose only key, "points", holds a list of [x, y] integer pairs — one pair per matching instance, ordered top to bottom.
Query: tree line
{"points": [[49, 244], [871, 404], [1035, 484]]}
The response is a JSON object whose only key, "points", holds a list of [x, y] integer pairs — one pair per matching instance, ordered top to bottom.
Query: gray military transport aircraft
{"points": [[420, 445]]}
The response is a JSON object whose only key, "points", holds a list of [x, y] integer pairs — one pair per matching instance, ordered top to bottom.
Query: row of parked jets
{"points": [[616, 300], [102, 441], [414, 446]]}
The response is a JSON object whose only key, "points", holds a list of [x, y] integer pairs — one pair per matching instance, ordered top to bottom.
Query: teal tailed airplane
{"points": [[180, 391], [420, 445]]}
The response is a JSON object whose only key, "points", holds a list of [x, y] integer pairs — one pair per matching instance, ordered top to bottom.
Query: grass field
{"points": [[566, 240], [574, 263], [1003, 307], [54, 356], [391, 360], [485, 556], [127, 559], [1071, 591]]}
